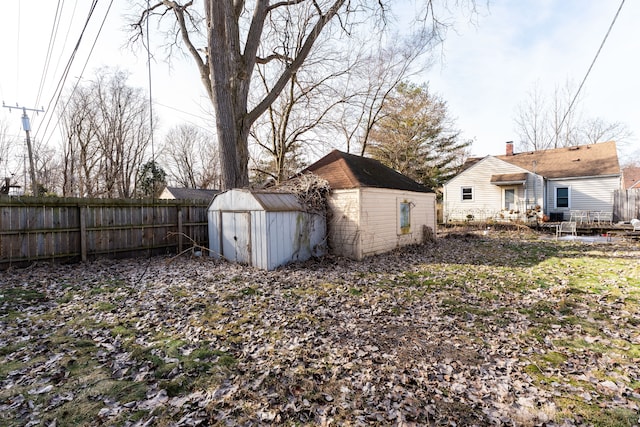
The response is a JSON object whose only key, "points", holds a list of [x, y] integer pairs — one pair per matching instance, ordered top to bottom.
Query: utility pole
{"points": [[26, 125]]}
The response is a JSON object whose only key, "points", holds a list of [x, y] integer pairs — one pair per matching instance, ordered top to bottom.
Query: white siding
{"points": [[592, 194], [487, 197], [380, 219], [214, 222], [366, 222], [344, 223]]}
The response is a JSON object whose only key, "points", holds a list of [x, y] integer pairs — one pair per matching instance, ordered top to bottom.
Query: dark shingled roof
{"points": [[346, 171], [192, 193]]}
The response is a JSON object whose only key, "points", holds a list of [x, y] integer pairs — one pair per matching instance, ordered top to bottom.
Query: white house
{"points": [[535, 183], [173, 193], [372, 208], [263, 229]]}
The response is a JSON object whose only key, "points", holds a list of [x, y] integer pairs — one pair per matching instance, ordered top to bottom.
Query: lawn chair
{"points": [[579, 216], [603, 217], [635, 223], [566, 227]]}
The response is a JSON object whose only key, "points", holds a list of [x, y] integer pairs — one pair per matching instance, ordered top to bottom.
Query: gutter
{"points": [[583, 177]]}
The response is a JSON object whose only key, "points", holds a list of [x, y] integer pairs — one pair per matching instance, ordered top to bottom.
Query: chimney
{"points": [[509, 148]]}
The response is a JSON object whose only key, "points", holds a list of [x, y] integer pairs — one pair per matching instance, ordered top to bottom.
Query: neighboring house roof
{"points": [[576, 161], [346, 171], [631, 177], [188, 193]]}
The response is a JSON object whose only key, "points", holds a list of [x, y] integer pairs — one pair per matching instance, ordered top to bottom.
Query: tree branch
{"points": [[295, 64]]}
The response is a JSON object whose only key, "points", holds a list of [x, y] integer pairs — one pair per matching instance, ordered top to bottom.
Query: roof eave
{"points": [[562, 178]]}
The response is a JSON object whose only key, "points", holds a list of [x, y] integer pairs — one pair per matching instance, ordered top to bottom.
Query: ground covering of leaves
{"points": [[469, 330]]}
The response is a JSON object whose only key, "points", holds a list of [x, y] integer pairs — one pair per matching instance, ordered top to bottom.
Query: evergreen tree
{"points": [[415, 136], [151, 180]]}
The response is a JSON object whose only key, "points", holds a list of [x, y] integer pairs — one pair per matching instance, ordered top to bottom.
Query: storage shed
{"points": [[373, 208], [264, 229]]}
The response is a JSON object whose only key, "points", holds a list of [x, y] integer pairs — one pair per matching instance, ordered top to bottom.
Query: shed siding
{"points": [[592, 194], [380, 219], [214, 222], [344, 222], [295, 236], [270, 238], [259, 239]]}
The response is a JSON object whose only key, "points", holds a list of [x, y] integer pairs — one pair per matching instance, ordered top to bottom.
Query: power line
{"points": [[52, 40], [18, 52], [590, 66], [58, 91]]}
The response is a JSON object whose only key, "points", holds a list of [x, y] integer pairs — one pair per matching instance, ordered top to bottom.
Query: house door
{"points": [[509, 198], [236, 236]]}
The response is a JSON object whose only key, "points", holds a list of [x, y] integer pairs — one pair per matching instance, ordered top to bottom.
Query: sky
{"points": [[485, 69]]}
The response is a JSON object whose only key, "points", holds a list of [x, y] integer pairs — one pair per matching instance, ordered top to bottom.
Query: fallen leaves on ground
{"points": [[465, 331]]}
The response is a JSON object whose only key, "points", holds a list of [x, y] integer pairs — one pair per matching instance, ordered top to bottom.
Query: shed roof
{"points": [[346, 171], [242, 199], [274, 201]]}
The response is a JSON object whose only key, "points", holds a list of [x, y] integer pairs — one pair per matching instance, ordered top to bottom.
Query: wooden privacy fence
{"points": [[626, 204], [38, 229]]}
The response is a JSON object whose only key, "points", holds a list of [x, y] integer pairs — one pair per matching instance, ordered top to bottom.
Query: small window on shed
{"points": [[467, 193], [405, 217]]}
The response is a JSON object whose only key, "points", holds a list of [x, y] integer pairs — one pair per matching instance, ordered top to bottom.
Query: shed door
{"points": [[236, 236]]}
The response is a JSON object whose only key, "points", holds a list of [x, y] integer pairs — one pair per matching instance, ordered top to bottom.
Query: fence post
{"points": [[180, 231], [83, 232]]}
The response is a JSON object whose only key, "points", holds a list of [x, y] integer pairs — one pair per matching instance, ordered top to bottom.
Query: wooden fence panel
{"points": [[626, 204], [35, 229]]}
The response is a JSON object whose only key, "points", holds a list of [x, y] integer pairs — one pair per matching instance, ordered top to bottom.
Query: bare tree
{"points": [[236, 34], [379, 73], [300, 116], [565, 117], [530, 121], [552, 122], [598, 130], [107, 134], [6, 148], [80, 149], [8, 153], [189, 158], [48, 168]]}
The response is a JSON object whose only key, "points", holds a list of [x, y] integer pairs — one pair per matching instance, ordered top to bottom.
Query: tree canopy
{"points": [[239, 36], [416, 137]]}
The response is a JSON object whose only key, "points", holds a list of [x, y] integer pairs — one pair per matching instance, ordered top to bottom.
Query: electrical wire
{"points": [[66, 36], [18, 49], [47, 60], [591, 66], [58, 92]]}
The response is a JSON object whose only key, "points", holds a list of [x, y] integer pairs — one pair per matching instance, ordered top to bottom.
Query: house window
{"points": [[467, 193], [562, 197], [509, 198], [405, 217]]}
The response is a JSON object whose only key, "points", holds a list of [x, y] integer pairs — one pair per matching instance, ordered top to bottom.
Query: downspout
{"points": [[545, 208]]}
